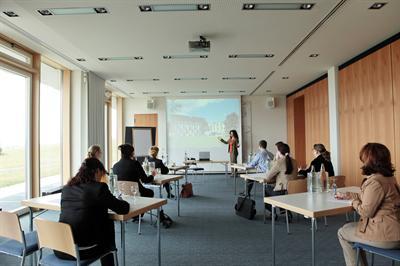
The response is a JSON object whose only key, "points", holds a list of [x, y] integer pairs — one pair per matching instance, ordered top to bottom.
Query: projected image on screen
{"points": [[195, 124]]}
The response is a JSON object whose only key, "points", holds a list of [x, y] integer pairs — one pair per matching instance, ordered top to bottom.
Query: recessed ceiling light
{"points": [[377, 5], [248, 6], [278, 6], [174, 7], [73, 11], [11, 14], [251, 55], [313, 55], [184, 56], [120, 58], [81, 59], [285, 77], [194, 78], [237, 78], [144, 79], [113, 80], [129, 80], [183, 91], [203, 91], [231, 91], [268, 91], [155, 92], [131, 93]]}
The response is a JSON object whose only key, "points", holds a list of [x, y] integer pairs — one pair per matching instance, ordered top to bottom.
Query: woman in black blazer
{"points": [[322, 156], [160, 165], [128, 169], [84, 206]]}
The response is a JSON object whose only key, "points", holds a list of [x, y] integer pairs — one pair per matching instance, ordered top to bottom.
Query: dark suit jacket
{"points": [[159, 164], [317, 166], [131, 170], [85, 208]]}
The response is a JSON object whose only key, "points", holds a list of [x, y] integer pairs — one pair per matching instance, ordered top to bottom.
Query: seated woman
{"points": [[94, 151], [322, 156], [160, 165], [128, 169], [284, 169], [378, 205], [84, 206]]}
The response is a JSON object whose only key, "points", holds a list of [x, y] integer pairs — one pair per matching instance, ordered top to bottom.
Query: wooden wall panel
{"points": [[395, 53], [365, 109], [290, 124], [300, 130]]}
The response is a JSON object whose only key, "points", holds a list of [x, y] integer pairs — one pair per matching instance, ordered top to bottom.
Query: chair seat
{"points": [[16, 248], [393, 254], [53, 260]]}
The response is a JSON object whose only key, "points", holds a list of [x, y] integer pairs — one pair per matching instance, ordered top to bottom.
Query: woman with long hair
{"points": [[233, 145], [94, 151], [321, 156], [284, 169], [378, 205], [84, 206]]}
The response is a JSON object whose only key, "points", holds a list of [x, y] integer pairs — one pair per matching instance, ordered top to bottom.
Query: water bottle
{"points": [[146, 165], [323, 178], [313, 179], [111, 181], [334, 186]]}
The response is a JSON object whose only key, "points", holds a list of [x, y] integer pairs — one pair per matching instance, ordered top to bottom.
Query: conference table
{"points": [[225, 163], [239, 167], [176, 168], [160, 180], [310, 204], [138, 206]]}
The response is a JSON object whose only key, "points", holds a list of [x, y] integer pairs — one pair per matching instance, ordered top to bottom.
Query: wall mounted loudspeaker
{"points": [[271, 102], [151, 104]]}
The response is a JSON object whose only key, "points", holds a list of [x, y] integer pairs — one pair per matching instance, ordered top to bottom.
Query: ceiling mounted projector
{"points": [[199, 46]]}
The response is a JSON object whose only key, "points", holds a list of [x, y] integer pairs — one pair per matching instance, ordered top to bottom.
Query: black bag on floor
{"points": [[245, 207], [165, 220]]}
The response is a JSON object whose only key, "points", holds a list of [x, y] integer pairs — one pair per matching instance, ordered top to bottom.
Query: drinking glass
{"points": [[152, 167], [158, 171], [134, 190]]}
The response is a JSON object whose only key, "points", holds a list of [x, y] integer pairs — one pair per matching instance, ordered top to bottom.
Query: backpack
{"points": [[165, 220]]}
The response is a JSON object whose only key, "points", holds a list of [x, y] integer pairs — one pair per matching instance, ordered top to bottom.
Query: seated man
{"points": [[260, 162]]}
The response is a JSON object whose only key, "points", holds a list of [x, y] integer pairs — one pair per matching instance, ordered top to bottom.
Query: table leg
{"points": [[186, 170], [226, 170], [234, 178], [245, 187], [160, 191], [178, 196], [265, 211], [30, 219], [273, 234], [158, 237], [313, 241], [122, 243]]}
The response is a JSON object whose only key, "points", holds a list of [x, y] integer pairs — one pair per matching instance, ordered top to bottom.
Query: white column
{"points": [[333, 95]]}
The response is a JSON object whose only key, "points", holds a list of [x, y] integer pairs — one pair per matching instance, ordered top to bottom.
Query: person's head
{"points": [[233, 134], [262, 144], [277, 145], [319, 149], [94, 151], [127, 151], [154, 151], [284, 152], [376, 159], [90, 171]]}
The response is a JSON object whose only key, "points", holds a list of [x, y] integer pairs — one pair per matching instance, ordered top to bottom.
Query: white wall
{"points": [[134, 106], [267, 124]]}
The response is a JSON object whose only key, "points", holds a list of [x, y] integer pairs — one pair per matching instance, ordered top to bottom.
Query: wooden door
{"points": [[395, 52], [147, 120]]}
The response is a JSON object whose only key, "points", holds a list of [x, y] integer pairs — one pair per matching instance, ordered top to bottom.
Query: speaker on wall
{"points": [[271, 102], [151, 104]]}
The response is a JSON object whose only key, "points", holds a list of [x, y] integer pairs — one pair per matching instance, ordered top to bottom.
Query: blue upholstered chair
{"points": [[58, 236], [18, 244], [392, 254]]}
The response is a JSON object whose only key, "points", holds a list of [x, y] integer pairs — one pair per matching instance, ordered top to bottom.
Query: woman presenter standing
{"points": [[233, 145]]}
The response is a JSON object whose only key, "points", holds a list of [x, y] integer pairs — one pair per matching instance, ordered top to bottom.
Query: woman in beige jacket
{"points": [[283, 170], [378, 205]]}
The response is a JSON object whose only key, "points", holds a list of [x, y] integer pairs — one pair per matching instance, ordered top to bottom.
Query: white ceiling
{"points": [[125, 31]]}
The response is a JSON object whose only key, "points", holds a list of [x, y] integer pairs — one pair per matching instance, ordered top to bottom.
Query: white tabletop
{"points": [[208, 161], [241, 166], [178, 167], [258, 177], [163, 179], [315, 204], [138, 206]]}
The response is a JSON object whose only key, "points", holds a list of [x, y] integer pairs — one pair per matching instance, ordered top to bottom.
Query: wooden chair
{"points": [[339, 179], [58, 236], [19, 244]]}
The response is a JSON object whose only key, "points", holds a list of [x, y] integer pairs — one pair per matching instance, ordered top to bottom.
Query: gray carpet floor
{"points": [[209, 233]]}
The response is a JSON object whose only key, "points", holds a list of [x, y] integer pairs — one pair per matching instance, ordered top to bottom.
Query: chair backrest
{"points": [[340, 180], [297, 186], [125, 187], [10, 226], [55, 235]]}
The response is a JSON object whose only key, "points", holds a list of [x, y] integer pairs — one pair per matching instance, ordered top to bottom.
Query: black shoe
{"points": [[170, 196], [135, 219]]}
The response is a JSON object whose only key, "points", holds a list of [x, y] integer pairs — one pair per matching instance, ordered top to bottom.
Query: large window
{"points": [[50, 127], [114, 131], [14, 137]]}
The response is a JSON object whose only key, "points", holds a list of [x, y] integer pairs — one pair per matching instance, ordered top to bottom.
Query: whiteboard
{"points": [[141, 138]]}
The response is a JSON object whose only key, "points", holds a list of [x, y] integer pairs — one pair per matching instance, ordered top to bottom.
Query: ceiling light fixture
{"points": [[377, 5], [278, 6], [174, 7], [73, 11], [11, 14], [251, 55], [313, 55], [188, 56], [120, 58], [81, 59], [285, 77], [194, 78], [237, 78], [145, 79], [113, 80]]}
